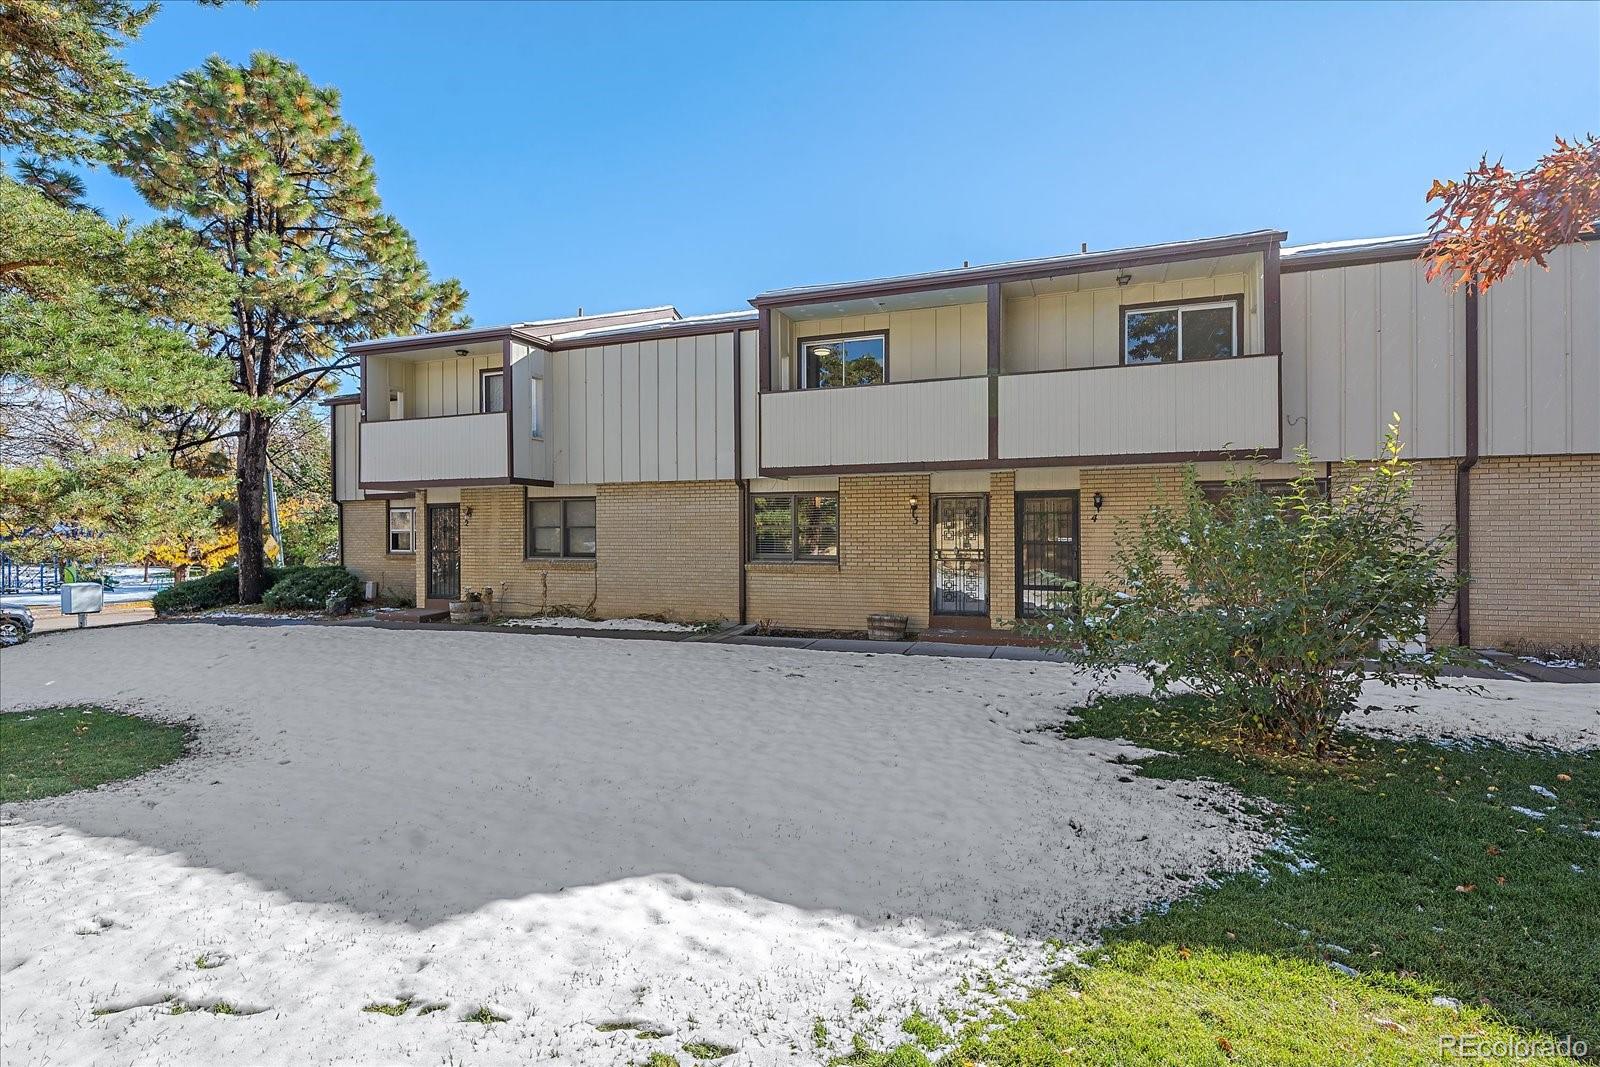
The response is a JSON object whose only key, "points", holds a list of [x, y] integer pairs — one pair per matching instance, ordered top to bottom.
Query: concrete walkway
{"points": [[896, 648]]}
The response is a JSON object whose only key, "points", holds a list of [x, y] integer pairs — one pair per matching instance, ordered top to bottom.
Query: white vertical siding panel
{"points": [[1292, 302], [1107, 330], [1077, 331], [974, 339], [924, 341], [947, 342], [1583, 344], [1397, 352], [1325, 364], [1505, 367], [1435, 370], [705, 406], [724, 406], [750, 406], [649, 410], [667, 410], [556, 412], [611, 412], [630, 412], [594, 419], [1361, 419], [1549, 429], [685, 442]]}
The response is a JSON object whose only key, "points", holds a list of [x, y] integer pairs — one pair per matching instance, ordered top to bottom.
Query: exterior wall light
{"points": [[1124, 279], [1099, 502], [913, 503]]}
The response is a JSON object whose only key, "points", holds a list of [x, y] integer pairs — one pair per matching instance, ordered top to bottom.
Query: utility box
{"points": [[82, 598]]}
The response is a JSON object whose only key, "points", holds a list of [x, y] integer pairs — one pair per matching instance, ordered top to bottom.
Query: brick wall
{"points": [[1128, 493], [366, 540], [1002, 547], [1535, 547], [670, 549], [491, 558], [883, 563]]}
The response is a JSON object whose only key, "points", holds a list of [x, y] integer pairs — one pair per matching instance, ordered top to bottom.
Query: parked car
{"points": [[15, 625]]}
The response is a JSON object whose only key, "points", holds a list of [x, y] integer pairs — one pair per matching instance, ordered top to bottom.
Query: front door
{"points": [[444, 551], [1047, 551], [961, 555]]}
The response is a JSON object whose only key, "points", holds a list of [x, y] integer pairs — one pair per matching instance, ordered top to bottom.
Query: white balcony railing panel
{"points": [[1211, 406], [903, 422], [450, 448]]}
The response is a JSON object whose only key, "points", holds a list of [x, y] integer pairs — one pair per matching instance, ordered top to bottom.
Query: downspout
{"points": [[1464, 470], [739, 479]]}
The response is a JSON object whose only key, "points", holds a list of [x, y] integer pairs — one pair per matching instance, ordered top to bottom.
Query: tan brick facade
{"points": [[1433, 487], [366, 541], [1002, 547], [1535, 547], [669, 549], [672, 549], [491, 558], [883, 563]]}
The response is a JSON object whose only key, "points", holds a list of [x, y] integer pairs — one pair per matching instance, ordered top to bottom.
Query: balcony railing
{"points": [[1219, 405], [900, 423], [450, 448]]}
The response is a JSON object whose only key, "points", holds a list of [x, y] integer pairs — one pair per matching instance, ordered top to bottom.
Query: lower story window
{"points": [[795, 526], [561, 528], [402, 529]]}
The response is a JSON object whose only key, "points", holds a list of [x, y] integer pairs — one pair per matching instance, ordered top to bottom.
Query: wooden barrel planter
{"points": [[466, 611], [886, 627]]}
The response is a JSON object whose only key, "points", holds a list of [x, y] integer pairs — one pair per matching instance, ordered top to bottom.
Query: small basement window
{"points": [[1182, 331], [857, 359], [795, 527], [402, 529], [561, 529]]}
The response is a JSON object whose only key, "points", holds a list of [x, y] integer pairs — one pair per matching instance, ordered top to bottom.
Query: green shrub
{"points": [[304, 588], [216, 590], [1276, 607]]}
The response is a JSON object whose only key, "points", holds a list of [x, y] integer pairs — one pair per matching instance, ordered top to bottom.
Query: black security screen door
{"points": [[444, 551], [1047, 551], [961, 555]]}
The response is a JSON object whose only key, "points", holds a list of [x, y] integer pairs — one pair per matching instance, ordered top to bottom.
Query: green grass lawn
{"points": [[50, 751], [1424, 883]]}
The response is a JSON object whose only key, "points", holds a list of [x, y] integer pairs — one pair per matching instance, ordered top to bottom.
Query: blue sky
{"points": [[617, 155]]}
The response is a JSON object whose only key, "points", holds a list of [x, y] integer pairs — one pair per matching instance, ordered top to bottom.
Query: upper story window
{"points": [[1180, 331], [851, 359], [492, 391], [536, 407], [561, 528]]}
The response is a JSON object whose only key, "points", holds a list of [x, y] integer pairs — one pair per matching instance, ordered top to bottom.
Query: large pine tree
{"points": [[257, 162]]}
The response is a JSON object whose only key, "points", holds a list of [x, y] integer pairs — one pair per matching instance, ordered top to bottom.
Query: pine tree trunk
{"points": [[251, 471]]}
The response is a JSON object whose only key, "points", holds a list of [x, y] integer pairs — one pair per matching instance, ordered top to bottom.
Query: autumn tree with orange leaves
{"points": [[1494, 219]]}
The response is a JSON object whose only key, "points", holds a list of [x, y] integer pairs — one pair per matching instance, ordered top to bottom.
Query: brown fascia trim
{"points": [[1354, 257], [1067, 265], [661, 333], [406, 344], [335, 401], [1131, 459], [1464, 470], [431, 483]]}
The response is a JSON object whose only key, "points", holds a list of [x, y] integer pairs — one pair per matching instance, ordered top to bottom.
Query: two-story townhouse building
{"points": [[947, 445]]}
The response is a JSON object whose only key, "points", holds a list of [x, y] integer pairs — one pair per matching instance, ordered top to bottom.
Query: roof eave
{"points": [[1078, 263]]}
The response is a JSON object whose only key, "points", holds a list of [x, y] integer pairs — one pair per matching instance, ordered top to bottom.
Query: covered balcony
{"points": [[1157, 354], [434, 415]]}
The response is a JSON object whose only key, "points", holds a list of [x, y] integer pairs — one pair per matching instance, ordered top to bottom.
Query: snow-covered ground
{"points": [[569, 622], [1544, 714], [709, 842], [721, 842]]}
